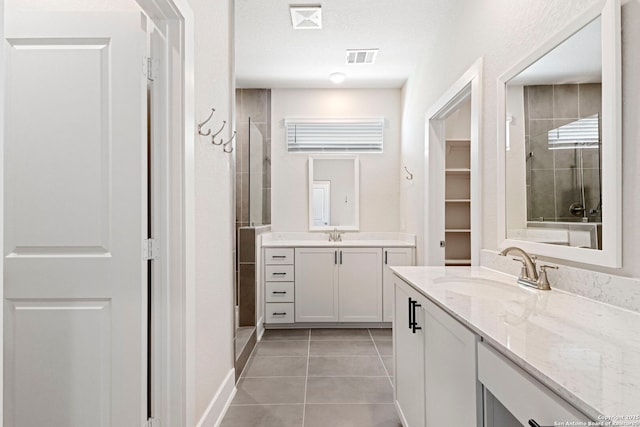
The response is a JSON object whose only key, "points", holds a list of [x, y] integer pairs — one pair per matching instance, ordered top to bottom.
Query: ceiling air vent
{"points": [[306, 17], [361, 56]]}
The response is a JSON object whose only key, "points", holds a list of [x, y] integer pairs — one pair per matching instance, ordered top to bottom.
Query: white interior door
{"points": [[321, 202], [75, 218]]}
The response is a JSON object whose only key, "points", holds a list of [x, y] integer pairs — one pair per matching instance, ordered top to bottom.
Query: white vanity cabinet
{"points": [[392, 257], [360, 284], [279, 285], [338, 285], [316, 286], [434, 360]]}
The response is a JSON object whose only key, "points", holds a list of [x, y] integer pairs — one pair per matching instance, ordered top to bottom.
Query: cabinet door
{"points": [[392, 257], [360, 275], [316, 285], [408, 357], [450, 370]]}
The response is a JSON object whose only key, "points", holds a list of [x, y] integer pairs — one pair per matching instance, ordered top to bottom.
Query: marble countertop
{"points": [[349, 239], [343, 244], [586, 351]]}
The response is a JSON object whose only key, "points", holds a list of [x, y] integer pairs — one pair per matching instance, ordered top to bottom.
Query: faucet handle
{"points": [[523, 269], [543, 281]]}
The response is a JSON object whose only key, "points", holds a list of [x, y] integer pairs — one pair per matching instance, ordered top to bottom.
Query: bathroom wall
{"points": [[502, 32], [379, 172], [553, 177]]}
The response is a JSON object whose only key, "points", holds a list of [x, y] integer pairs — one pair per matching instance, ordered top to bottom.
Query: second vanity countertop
{"points": [[373, 240], [586, 351]]}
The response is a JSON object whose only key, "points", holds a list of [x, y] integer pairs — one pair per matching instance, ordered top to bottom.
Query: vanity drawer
{"points": [[278, 256], [278, 273], [279, 292], [278, 312], [520, 393]]}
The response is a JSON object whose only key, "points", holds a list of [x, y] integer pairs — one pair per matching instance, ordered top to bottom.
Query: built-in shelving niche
{"points": [[457, 202]]}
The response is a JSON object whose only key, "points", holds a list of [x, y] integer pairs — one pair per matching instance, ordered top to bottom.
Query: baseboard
{"points": [[260, 329], [218, 406]]}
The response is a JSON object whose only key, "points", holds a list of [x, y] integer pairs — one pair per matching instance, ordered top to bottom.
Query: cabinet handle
{"points": [[278, 256], [335, 257], [340, 257], [385, 257], [279, 274], [279, 292], [410, 310], [284, 313], [414, 325], [533, 423]]}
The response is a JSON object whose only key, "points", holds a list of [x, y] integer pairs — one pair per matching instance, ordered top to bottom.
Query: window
{"points": [[335, 135]]}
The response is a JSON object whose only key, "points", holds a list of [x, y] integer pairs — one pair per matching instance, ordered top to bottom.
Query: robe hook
{"points": [[204, 123], [410, 177]]}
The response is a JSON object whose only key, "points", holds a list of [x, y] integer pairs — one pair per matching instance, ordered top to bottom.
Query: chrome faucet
{"points": [[335, 235], [528, 274]]}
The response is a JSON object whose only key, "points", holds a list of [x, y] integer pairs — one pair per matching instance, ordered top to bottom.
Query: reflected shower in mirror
{"points": [[553, 173]]}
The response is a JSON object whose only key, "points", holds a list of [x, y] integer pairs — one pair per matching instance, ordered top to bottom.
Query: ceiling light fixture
{"points": [[306, 17], [337, 78]]}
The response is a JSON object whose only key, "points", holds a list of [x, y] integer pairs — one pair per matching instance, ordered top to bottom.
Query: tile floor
{"points": [[317, 378]]}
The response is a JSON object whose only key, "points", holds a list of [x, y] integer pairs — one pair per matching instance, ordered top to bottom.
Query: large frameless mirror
{"points": [[560, 144]]}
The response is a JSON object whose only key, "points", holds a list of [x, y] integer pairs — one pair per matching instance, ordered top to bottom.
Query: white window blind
{"points": [[583, 133], [335, 135]]}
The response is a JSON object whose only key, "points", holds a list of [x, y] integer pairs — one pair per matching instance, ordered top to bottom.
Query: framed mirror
{"points": [[559, 144], [334, 193]]}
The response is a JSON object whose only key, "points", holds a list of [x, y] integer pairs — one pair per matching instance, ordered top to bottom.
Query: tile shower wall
{"points": [[254, 104], [552, 177]]}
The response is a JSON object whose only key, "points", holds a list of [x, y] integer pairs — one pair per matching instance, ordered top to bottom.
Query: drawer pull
{"points": [[279, 256], [278, 274], [279, 292], [284, 313], [533, 423]]}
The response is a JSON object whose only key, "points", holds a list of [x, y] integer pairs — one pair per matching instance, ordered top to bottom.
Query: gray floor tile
{"points": [[381, 333], [285, 334], [340, 334], [385, 347], [282, 348], [342, 348], [388, 363], [346, 366], [276, 367], [269, 390], [349, 390], [264, 416], [351, 416]]}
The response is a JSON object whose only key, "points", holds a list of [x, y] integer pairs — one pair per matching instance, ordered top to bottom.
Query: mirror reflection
{"points": [[553, 159], [333, 193]]}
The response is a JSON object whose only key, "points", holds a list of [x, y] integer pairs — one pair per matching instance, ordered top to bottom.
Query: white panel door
{"points": [[75, 218], [392, 257], [360, 277], [316, 285]]}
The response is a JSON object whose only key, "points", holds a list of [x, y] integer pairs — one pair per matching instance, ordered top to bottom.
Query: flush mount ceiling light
{"points": [[306, 17], [361, 56], [337, 78]]}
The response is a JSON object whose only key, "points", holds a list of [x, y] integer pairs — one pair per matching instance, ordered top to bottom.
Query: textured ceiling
{"points": [[269, 53]]}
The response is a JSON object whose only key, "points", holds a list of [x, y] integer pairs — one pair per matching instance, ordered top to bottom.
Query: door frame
{"points": [[468, 85], [174, 335]]}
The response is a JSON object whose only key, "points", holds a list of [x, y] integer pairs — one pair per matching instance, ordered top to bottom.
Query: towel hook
{"points": [[224, 122], [204, 123], [224, 146], [410, 177]]}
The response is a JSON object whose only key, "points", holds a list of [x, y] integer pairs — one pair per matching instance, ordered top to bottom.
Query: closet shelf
{"points": [[460, 171], [457, 200], [457, 230], [457, 262]]}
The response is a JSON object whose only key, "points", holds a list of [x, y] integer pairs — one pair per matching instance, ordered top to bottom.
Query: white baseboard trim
{"points": [[260, 329], [218, 406]]}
